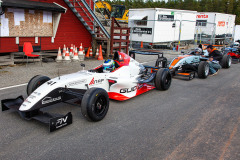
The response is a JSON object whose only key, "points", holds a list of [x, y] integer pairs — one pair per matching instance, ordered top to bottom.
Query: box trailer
{"points": [[160, 25], [215, 26], [237, 33]]}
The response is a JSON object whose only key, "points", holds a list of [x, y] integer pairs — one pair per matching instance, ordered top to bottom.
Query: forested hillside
{"points": [[221, 6]]}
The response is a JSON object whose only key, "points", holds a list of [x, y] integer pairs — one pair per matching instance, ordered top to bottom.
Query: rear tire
{"points": [[226, 61], [203, 69], [163, 79], [36, 82], [95, 104]]}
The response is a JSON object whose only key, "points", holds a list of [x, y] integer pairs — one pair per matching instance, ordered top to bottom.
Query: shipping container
{"points": [[160, 25], [215, 26]]}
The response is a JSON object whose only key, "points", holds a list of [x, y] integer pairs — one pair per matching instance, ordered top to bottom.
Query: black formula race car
{"points": [[190, 64]]}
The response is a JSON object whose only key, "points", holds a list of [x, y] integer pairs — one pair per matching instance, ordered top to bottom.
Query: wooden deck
{"points": [[18, 57]]}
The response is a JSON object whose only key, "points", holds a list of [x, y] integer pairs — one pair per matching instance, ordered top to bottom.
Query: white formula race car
{"points": [[93, 87]]}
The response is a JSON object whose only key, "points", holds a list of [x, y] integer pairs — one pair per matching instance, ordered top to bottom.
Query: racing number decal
{"points": [[51, 83]]}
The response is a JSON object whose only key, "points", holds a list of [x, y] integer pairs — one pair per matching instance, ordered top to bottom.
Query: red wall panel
{"points": [[70, 31]]}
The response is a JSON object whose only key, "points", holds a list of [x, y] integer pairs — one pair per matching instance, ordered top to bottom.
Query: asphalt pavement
{"points": [[193, 120]]}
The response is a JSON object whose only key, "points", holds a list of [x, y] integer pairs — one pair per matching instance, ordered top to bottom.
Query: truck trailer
{"points": [[160, 26], [215, 28], [237, 33]]}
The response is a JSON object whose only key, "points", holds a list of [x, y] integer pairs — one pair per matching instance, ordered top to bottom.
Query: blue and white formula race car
{"points": [[93, 87]]}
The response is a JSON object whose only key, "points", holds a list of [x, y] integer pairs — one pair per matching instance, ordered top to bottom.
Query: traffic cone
{"points": [[141, 44], [80, 50], [64, 51], [71, 51], [80, 53], [97, 53], [90, 54], [87, 55], [59, 56], [75, 56], [67, 57], [100, 57]]}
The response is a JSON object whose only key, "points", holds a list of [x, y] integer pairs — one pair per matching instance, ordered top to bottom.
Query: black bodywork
{"points": [[54, 121]]}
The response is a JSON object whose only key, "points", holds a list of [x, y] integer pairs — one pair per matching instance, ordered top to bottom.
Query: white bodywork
{"points": [[161, 22], [217, 23], [126, 77]]}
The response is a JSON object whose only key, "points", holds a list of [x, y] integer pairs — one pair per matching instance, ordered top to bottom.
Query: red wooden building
{"points": [[64, 26]]}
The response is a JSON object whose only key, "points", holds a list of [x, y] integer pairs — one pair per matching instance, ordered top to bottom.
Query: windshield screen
{"points": [[117, 11]]}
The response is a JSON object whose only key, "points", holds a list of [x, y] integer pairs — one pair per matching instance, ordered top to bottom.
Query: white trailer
{"points": [[160, 25], [216, 26], [237, 33]]}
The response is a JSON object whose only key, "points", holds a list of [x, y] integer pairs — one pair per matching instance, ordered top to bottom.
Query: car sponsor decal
{"points": [[96, 81], [76, 82], [128, 90], [47, 100], [59, 122]]}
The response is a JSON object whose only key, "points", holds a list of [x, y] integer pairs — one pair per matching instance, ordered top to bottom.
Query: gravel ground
{"points": [[22, 73]]}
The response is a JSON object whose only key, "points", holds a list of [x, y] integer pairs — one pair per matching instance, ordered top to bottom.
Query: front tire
{"points": [[226, 61], [203, 69], [163, 79], [36, 82], [95, 104]]}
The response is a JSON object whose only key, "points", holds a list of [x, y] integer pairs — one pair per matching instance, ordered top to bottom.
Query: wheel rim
{"points": [[229, 62], [206, 70], [168, 80], [100, 105]]}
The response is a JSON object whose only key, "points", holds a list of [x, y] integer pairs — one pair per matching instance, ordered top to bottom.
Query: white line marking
{"points": [[13, 86]]}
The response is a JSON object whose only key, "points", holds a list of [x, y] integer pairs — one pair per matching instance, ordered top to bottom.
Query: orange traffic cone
{"points": [[141, 44], [71, 49], [64, 50], [80, 50], [81, 53], [97, 53], [90, 54], [87, 55], [59, 56], [75, 56], [67, 57], [100, 57]]}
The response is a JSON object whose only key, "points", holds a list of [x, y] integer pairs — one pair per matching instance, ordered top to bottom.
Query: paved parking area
{"points": [[197, 119]]}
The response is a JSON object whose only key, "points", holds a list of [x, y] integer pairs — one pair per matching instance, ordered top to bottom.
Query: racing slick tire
{"points": [[226, 61], [203, 69], [163, 79], [36, 82], [95, 104]]}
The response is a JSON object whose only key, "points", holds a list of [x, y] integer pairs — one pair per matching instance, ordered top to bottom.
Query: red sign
{"points": [[202, 16], [221, 23]]}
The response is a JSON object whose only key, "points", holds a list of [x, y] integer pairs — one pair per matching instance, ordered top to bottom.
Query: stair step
{"points": [[101, 38]]}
